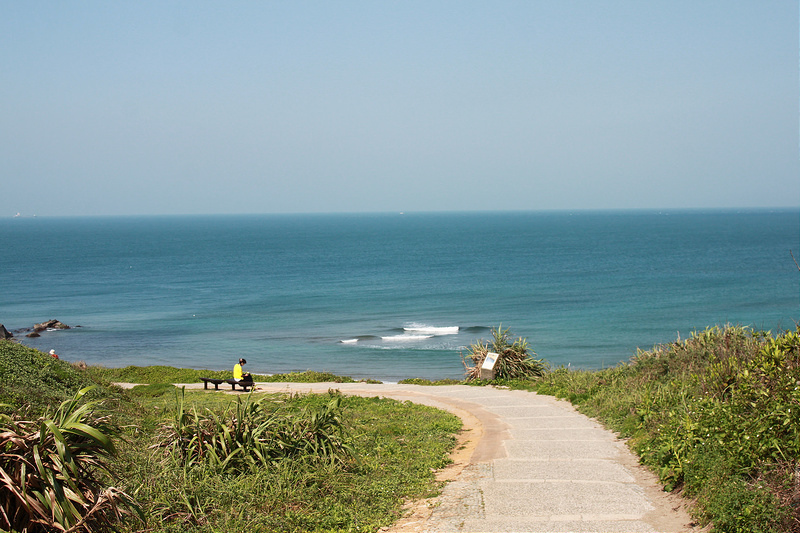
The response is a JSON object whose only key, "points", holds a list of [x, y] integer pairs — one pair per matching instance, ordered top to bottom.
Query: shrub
{"points": [[514, 358], [255, 434], [52, 472]]}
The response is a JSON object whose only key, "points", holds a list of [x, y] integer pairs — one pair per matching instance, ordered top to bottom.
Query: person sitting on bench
{"points": [[238, 375]]}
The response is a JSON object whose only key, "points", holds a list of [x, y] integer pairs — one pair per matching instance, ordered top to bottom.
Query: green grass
{"points": [[150, 375], [35, 380], [428, 382], [396, 446], [389, 449]]}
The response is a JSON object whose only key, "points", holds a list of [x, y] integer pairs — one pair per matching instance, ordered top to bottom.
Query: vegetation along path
{"points": [[528, 462]]}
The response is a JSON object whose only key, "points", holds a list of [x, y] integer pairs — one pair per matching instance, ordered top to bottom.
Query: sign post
{"points": [[487, 368]]}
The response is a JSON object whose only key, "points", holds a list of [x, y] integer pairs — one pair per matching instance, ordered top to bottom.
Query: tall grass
{"points": [[255, 434]]}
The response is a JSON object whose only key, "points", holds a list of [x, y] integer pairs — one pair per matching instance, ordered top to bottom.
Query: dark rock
{"points": [[50, 324], [4, 333], [33, 334]]}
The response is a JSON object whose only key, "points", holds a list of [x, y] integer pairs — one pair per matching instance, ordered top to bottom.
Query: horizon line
{"points": [[19, 215]]}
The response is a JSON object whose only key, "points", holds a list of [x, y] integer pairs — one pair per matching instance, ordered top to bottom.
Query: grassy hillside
{"points": [[31, 378], [717, 416], [158, 458]]}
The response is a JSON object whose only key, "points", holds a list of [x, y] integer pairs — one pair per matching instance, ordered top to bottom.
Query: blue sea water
{"points": [[391, 296]]}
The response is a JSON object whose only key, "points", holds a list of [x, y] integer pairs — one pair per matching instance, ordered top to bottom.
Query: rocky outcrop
{"points": [[50, 324], [4, 333]]}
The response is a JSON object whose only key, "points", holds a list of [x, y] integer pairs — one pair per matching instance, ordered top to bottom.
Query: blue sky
{"points": [[170, 107]]}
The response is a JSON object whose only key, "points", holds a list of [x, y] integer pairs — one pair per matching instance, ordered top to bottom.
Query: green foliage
{"points": [[515, 358], [168, 374], [150, 375], [309, 376], [36, 380], [716, 415], [255, 434], [396, 446], [53, 472], [738, 506]]}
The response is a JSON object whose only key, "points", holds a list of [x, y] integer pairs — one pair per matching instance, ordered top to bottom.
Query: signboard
{"points": [[487, 368]]}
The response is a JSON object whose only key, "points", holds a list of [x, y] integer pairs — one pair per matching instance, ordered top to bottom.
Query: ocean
{"points": [[392, 296]]}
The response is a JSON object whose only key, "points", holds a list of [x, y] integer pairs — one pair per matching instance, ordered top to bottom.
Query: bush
{"points": [[514, 358], [256, 434], [53, 472]]}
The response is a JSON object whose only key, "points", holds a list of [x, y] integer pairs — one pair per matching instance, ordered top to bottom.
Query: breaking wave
{"points": [[432, 330], [405, 337]]}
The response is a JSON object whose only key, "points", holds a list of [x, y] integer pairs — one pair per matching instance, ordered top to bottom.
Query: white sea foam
{"points": [[433, 330], [401, 338], [349, 341]]}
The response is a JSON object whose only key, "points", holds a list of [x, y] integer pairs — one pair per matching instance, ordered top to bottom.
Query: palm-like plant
{"points": [[516, 358], [255, 435], [53, 472]]}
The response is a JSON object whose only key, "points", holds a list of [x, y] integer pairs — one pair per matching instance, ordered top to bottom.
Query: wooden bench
{"points": [[217, 382]]}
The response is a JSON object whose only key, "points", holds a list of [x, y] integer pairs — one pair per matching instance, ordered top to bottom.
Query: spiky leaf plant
{"points": [[515, 357], [255, 434], [53, 472]]}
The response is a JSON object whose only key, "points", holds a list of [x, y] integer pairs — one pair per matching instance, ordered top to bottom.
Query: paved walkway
{"points": [[530, 463]]}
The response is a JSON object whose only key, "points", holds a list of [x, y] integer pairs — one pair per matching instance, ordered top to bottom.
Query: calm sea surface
{"points": [[392, 296]]}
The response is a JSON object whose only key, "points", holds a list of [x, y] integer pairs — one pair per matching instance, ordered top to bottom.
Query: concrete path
{"points": [[530, 463]]}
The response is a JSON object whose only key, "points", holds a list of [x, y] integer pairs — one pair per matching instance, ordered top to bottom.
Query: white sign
{"points": [[487, 368]]}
